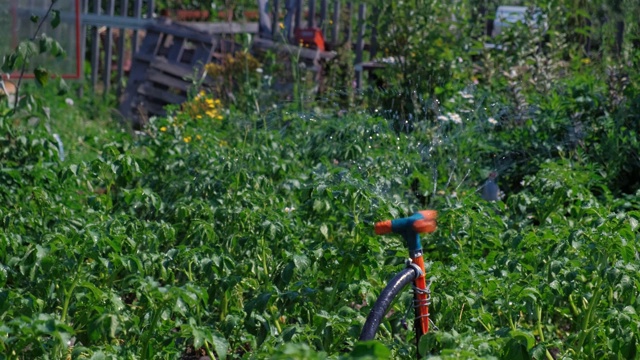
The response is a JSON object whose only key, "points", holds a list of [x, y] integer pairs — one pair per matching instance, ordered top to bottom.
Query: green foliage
{"points": [[236, 237]]}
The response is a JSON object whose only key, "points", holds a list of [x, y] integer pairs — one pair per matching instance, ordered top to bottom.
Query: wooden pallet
{"points": [[162, 72]]}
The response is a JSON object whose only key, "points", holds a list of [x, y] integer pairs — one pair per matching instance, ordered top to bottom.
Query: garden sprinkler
{"points": [[410, 228]]}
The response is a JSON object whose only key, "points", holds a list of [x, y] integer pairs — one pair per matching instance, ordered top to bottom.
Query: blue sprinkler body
{"points": [[410, 228]]}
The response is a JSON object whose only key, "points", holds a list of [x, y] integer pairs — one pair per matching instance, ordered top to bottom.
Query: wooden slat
{"points": [[124, 4], [137, 13], [312, 14], [275, 20], [298, 20], [223, 27], [349, 29], [177, 30], [335, 30], [373, 41], [360, 42], [95, 47], [108, 50], [309, 54], [159, 77], [149, 91]]}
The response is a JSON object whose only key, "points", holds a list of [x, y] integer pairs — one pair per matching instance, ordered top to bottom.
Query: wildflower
{"points": [[281, 25], [259, 70], [465, 95], [69, 101], [211, 114], [198, 116], [219, 117], [442, 118], [455, 118], [492, 121], [163, 128], [199, 137], [187, 139], [223, 143], [289, 209]]}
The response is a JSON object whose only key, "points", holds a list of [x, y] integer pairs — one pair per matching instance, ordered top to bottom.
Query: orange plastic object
{"points": [[311, 37], [429, 214], [425, 226], [383, 227], [422, 311]]}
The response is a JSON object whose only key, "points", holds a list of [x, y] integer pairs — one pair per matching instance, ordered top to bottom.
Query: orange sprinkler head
{"points": [[424, 226], [383, 227]]}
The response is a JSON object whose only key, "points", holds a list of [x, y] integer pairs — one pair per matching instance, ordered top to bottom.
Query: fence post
{"points": [[124, 4], [324, 4], [150, 9], [137, 13], [312, 13], [275, 21], [298, 21], [336, 23], [349, 29], [360, 43], [83, 47], [95, 47], [108, 50]]}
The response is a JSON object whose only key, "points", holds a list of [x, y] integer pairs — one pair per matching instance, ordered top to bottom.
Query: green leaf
{"points": [[34, 18], [55, 18], [42, 75], [634, 223], [324, 230], [220, 345], [370, 350]]}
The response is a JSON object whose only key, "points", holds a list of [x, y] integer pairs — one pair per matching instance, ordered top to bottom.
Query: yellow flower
{"points": [[281, 25], [586, 61], [211, 114], [198, 116], [219, 117], [163, 129], [199, 137], [187, 139], [223, 143]]}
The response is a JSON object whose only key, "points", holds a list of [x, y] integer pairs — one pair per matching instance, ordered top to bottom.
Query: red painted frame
{"points": [[78, 27]]}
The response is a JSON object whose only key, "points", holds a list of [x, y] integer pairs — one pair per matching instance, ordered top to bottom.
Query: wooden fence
{"points": [[115, 29]]}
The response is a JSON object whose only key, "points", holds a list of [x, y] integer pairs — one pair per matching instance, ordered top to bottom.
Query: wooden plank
{"points": [[124, 4], [324, 7], [150, 8], [137, 13], [312, 14], [275, 20], [298, 20], [336, 23], [168, 27], [223, 27], [349, 29], [360, 42], [373, 42], [83, 47], [95, 47], [108, 50], [309, 54], [177, 70], [159, 77], [149, 91], [152, 109]]}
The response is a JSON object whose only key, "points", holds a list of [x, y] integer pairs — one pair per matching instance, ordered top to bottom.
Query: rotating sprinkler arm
{"points": [[410, 228]]}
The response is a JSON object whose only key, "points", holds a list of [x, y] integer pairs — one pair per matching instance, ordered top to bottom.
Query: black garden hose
{"points": [[379, 309]]}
